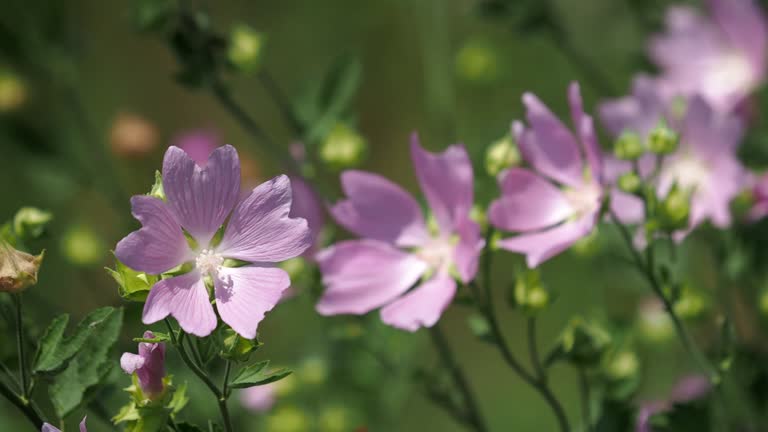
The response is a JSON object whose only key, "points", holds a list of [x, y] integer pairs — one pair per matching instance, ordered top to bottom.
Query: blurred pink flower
{"points": [[721, 57], [199, 144], [199, 200], [558, 202], [397, 248], [148, 365], [688, 389], [260, 398], [47, 427]]}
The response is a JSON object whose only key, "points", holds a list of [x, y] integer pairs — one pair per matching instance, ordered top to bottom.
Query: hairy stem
{"points": [[472, 415]]}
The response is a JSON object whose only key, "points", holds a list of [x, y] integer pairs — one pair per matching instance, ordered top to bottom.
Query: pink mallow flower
{"points": [[721, 57], [705, 163], [198, 201], [558, 201], [398, 250], [148, 365], [688, 389], [260, 398], [47, 427]]}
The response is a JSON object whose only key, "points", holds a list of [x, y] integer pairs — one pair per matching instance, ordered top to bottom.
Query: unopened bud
{"points": [[245, 48], [477, 61], [13, 92], [662, 140], [628, 146], [343, 148], [500, 155], [629, 182], [675, 210], [30, 222], [82, 246], [18, 270], [530, 295], [690, 304], [654, 324], [584, 343], [622, 365]]}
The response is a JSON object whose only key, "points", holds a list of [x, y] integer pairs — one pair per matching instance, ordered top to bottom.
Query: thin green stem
{"points": [[646, 267], [178, 342], [21, 347], [533, 350], [11, 377], [225, 381], [538, 382], [586, 397], [23, 405], [472, 415]]}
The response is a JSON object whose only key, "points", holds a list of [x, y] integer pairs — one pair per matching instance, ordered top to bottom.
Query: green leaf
{"points": [[132, 285], [159, 337], [55, 351], [90, 365], [256, 375], [179, 399]]}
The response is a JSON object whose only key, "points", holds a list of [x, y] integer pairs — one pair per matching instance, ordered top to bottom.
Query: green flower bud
{"points": [[245, 49], [477, 61], [13, 91], [662, 140], [628, 146], [343, 148], [500, 155], [630, 182], [675, 210], [30, 222], [81, 246], [18, 270], [529, 293], [690, 304], [654, 324], [584, 343], [236, 347], [622, 365]]}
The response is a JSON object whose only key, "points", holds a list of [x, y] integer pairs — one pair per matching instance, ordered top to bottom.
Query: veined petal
{"points": [[744, 22], [586, 130], [549, 146], [446, 179], [201, 197], [528, 202], [378, 209], [260, 229], [159, 245], [543, 245], [467, 253], [362, 275], [245, 294], [184, 298], [421, 307], [131, 362]]}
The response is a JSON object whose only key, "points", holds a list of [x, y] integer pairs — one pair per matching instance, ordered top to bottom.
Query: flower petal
{"points": [[744, 23], [585, 128], [710, 133], [549, 146], [446, 179], [201, 198], [528, 202], [306, 204], [378, 209], [260, 229], [159, 245], [541, 246], [467, 253], [362, 275], [245, 294], [186, 299], [423, 306], [131, 362], [82, 425], [47, 427]]}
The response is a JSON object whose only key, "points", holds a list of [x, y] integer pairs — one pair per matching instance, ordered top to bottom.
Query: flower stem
{"points": [[646, 267], [178, 342], [20, 346], [539, 381], [585, 400], [23, 405], [472, 415]]}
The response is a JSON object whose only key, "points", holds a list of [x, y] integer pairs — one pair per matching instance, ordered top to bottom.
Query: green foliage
{"points": [[131, 284], [236, 347], [90, 365], [257, 375]]}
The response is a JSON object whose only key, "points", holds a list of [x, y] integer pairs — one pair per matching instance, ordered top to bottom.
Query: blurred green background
{"points": [[99, 105]]}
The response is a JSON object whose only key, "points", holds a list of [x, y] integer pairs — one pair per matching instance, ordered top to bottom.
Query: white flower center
{"points": [[725, 75], [689, 172], [585, 199], [437, 252], [208, 262]]}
